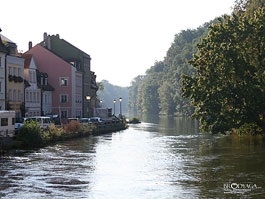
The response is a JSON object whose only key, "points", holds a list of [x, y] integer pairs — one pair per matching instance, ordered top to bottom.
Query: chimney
{"points": [[57, 35], [45, 36], [30, 45]]}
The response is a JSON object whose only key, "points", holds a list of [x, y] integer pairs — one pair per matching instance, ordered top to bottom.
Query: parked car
{"points": [[72, 119], [96, 120], [84, 121], [19, 122], [44, 122]]}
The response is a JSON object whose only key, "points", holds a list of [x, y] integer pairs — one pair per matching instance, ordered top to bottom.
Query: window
{"points": [[0, 61], [14, 71], [19, 72], [33, 76], [63, 81], [0, 86], [10, 95], [14, 95], [19, 95], [27, 96], [30, 96], [34, 96], [38, 96], [63, 98], [45, 99], [78, 99], [64, 114], [4, 121]]}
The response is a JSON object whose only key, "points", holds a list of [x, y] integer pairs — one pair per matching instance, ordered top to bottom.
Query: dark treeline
{"points": [[214, 73]]}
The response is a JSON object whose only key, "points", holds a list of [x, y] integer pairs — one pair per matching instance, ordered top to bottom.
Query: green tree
{"points": [[247, 7], [149, 88], [229, 88], [159, 91], [134, 95]]}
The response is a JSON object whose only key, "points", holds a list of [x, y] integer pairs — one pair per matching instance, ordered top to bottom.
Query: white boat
{"points": [[7, 123]]}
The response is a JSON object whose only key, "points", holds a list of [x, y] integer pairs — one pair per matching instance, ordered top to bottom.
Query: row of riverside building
{"points": [[52, 78]]}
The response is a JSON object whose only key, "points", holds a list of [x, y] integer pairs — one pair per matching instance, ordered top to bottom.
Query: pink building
{"points": [[64, 78]]}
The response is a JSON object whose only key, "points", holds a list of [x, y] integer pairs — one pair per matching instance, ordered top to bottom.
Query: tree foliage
{"points": [[229, 89], [159, 91], [108, 92]]}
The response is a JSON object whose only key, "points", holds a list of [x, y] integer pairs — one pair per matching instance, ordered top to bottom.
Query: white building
{"points": [[32, 92], [46, 93]]}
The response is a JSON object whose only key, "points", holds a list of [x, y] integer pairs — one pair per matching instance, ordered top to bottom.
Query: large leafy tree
{"points": [[150, 85], [229, 89]]}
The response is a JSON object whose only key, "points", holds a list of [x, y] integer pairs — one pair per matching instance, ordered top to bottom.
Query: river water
{"points": [[162, 158]]}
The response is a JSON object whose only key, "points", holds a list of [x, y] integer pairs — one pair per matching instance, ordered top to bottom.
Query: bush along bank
{"points": [[31, 135]]}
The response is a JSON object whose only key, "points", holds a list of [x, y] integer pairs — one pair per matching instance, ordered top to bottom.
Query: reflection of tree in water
{"points": [[229, 159]]}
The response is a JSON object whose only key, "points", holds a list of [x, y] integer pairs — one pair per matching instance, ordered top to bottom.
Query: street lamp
{"points": [[120, 99], [114, 101], [88, 105]]}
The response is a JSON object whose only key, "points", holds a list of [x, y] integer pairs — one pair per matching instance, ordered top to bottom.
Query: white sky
{"points": [[123, 37]]}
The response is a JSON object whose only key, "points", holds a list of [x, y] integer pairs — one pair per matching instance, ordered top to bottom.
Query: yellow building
{"points": [[3, 52], [14, 79]]}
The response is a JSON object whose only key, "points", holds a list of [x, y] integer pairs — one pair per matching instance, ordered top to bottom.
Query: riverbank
{"points": [[32, 136]]}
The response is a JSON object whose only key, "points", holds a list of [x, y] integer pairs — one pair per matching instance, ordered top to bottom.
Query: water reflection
{"points": [[165, 158]]}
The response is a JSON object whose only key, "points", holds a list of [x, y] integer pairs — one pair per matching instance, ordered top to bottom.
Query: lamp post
{"points": [[120, 99], [114, 101], [88, 105]]}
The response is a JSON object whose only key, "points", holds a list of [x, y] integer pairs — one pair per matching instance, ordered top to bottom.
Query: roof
{"points": [[56, 37], [11, 43], [2, 46], [28, 58]]}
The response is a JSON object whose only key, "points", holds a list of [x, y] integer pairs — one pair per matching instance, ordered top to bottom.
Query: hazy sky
{"points": [[123, 37]]}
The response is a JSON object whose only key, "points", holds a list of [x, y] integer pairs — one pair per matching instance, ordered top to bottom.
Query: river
{"points": [[162, 158]]}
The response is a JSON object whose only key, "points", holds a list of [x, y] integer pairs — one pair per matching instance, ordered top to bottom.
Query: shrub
{"points": [[73, 126], [86, 129], [52, 134], [30, 135]]}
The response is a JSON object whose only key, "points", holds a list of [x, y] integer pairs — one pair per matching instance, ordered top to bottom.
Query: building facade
{"points": [[3, 53], [81, 62], [14, 79], [65, 80], [15, 85], [32, 92], [46, 93]]}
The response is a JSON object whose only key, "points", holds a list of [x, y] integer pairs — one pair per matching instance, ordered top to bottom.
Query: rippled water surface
{"points": [[163, 159]]}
